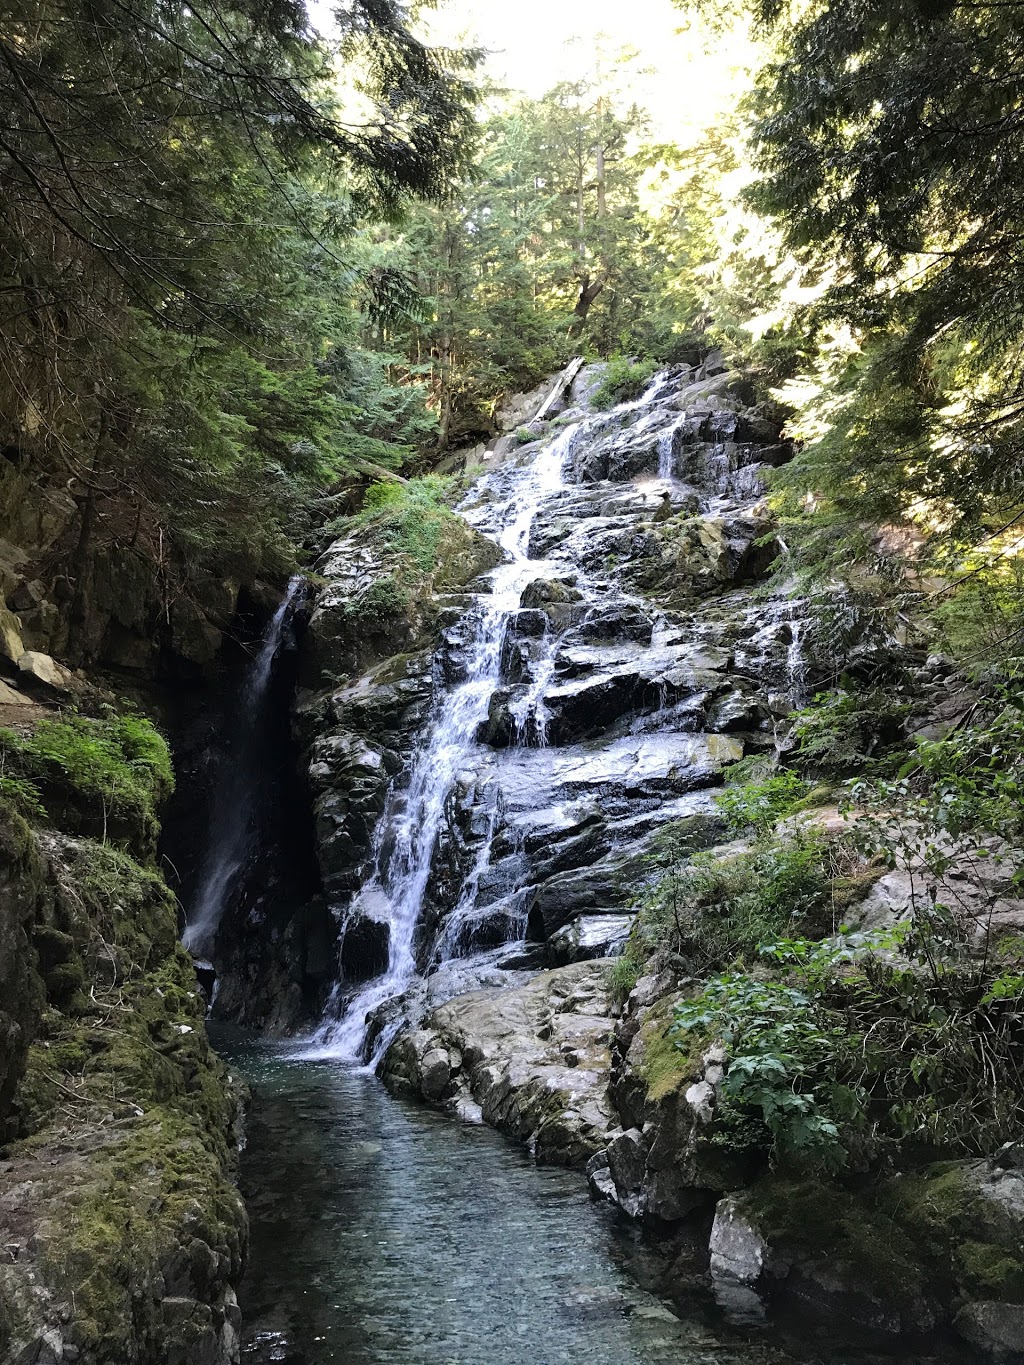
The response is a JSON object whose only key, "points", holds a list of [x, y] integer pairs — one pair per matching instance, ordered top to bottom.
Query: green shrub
{"points": [[623, 381], [524, 436], [409, 519], [379, 603], [844, 730], [104, 775], [760, 804], [716, 910], [847, 1049]]}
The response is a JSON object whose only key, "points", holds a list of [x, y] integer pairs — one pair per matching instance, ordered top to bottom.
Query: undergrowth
{"points": [[623, 381], [103, 775], [848, 1048]]}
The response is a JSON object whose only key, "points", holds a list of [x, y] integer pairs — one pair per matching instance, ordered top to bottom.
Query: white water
{"points": [[233, 800], [408, 829]]}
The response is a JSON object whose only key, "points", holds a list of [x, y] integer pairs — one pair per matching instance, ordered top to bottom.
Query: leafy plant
{"points": [[622, 381], [844, 729], [760, 804], [714, 910]]}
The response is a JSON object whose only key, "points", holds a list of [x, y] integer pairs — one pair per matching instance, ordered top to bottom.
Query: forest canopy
{"points": [[241, 263]]}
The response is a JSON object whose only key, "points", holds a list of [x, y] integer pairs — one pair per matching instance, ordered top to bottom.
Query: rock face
{"points": [[115, 613], [630, 669], [493, 761], [534, 1061], [123, 1234]]}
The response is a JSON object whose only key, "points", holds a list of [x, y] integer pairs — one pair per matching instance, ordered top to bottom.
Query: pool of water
{"points": [[384, 1233]]}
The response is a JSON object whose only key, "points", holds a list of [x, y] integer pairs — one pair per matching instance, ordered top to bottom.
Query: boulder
{"points": [[544, 591], [47, 671], [534, 1058], [997, 1329]]}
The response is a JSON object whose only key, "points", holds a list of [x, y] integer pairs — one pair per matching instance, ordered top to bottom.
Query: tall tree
{"points": [[888, 140], [178, 185]]}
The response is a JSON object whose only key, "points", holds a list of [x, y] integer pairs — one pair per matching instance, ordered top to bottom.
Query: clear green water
{"points": [[385, 1233]]}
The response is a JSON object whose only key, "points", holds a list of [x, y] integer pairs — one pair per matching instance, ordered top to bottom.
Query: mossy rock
{"points": [[118, 1117], [969, 1218]]}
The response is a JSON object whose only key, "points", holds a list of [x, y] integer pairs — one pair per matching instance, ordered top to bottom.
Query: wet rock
{"points": [[544, 591], [617, 623], [594, 892], [589, 936], [366, 939], [434, 1073], [627, 1155], [738, 1248], [738, 1253], [997, 1329]]}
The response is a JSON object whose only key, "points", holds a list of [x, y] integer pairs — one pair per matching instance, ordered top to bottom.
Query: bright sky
{"points": [[683, 78]]}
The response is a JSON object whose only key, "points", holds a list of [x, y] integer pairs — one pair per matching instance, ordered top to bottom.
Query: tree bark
{"points": [[589, 290]]}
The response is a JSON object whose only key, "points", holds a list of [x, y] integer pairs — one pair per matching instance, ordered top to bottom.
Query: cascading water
{"points": [[582, 657], [408, 829], [231, 832]]}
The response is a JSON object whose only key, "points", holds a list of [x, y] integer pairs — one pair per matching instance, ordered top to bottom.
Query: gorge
{"points": [[511, 682], [488, 805]]}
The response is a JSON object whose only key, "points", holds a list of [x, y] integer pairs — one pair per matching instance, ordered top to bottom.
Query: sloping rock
{"points": [[534, 1058]]}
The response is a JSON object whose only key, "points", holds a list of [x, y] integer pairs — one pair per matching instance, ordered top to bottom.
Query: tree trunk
{"points": [[602, 192], [589, 290]]}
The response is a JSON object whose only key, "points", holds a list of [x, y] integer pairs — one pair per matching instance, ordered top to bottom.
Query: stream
{"points": [[382, 1232]]}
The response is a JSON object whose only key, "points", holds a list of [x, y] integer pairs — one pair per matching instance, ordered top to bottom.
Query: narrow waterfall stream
{"points": [[407, 832], [231, 834]]}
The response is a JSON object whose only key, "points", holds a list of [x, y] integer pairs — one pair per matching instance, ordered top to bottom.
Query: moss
{"points": [[104, 776], [851, 889], [667, 1065], [124, 1112], [158, 1185], [823, 1220], [973, 1242], [990, 1272]]}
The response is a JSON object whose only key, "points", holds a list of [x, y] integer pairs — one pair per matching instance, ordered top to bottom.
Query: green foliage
{"points": [[910, 241], [183, 289], [622, 382], [410, 520], [843, 730], [111, 773], [21, 793], [954, 796], [759, 804], [714, 910], [624, 973], [865, 1049], [778, 1051], [848, 1052]]}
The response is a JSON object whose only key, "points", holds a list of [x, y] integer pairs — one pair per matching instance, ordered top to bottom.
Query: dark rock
{"points": [[543, 591], [365, 941], [997, 1329]]}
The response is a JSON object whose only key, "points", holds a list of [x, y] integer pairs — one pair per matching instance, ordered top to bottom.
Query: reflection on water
{"points": [[382, 1232]]}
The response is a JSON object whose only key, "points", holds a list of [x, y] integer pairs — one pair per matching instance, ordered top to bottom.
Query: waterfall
{"points": [[486, 738], [234, 796], [409, 826]]}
